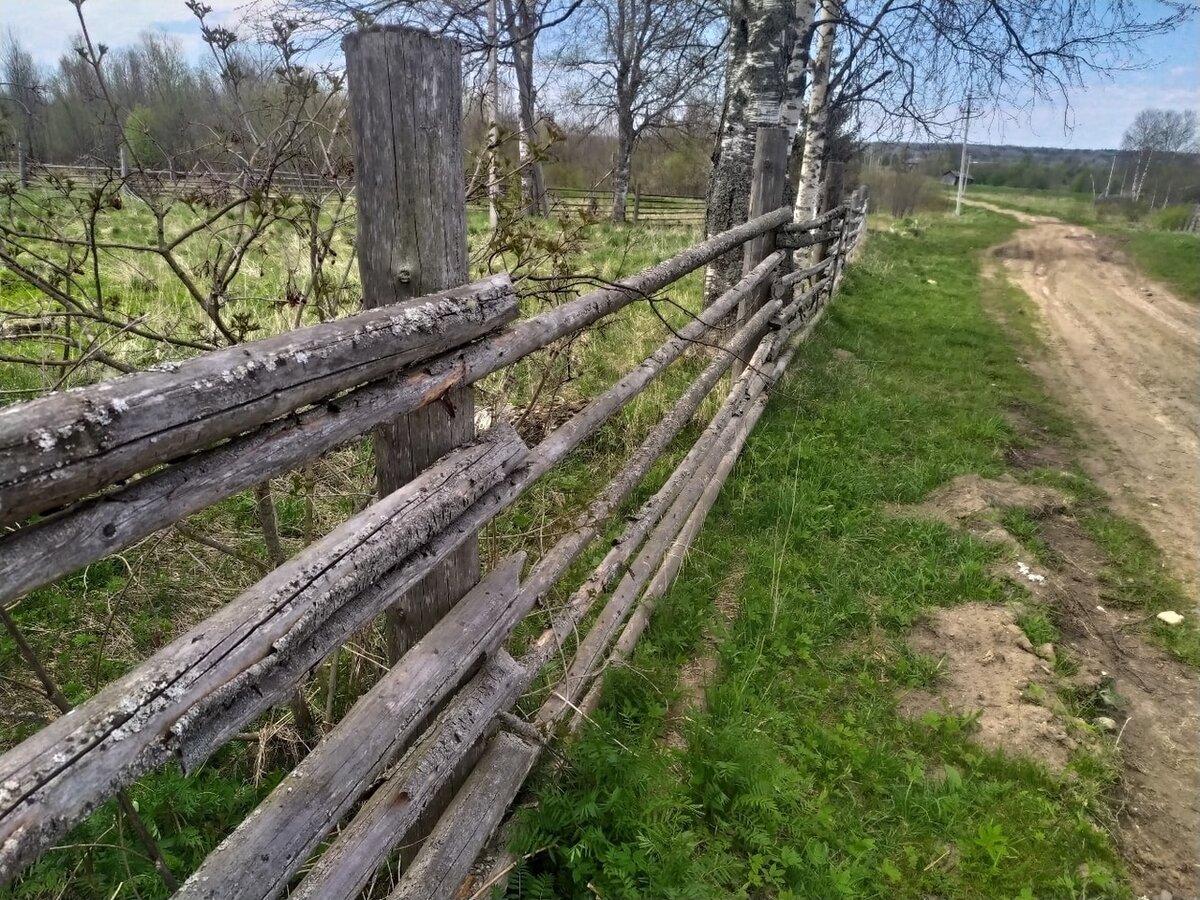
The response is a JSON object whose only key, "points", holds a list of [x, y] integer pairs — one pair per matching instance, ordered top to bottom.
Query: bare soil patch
{"points": [[1124, 353], [990, 665], [699, 671]]}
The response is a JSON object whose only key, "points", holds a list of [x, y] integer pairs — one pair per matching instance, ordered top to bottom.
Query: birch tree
{"points": [[767, 47], [638, 61], [903, 63], [1157, 131], [808, 196]]}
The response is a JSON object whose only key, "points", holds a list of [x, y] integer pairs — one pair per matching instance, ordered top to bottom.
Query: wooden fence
{"points": [[646, 209], [432, 748]]}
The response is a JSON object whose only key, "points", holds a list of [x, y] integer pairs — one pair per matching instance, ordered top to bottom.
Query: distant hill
{"points": [[992, 153]]}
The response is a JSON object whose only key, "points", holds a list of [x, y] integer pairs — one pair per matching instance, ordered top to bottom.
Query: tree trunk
{"points": [[521, 32], [760, 37], [796, 77], [491, 107], [622, 168], [1141, 185], [808, 197]]}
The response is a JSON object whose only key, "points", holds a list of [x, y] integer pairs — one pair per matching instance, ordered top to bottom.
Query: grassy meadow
{"points": [[95, 625], [799, 778]]}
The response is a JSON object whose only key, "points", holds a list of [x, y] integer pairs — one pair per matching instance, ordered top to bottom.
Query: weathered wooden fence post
{"points": [[405, 89], [123, 162], [22, 165], [768, 179], [637, 203]]}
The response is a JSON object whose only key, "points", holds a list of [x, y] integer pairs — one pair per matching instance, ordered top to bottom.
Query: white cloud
{"points": [[47, 27], [1097, 117]]}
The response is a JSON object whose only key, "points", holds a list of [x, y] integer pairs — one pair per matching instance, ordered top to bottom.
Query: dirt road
{"points": [[1125, 353]]}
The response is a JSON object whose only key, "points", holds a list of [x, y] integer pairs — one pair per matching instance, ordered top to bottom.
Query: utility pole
{"points": [[962, 163]]}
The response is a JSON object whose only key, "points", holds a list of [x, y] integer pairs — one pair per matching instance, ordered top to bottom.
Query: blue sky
{"points": [[1098, 115]]}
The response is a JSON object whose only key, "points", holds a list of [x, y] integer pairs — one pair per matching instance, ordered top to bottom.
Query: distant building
{"points": [[951, 176]]}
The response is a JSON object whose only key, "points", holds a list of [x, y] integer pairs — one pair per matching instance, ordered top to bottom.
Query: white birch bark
{"points": [[521, 26], [761, 37], [796, 77], [491, 107], [808, 196]]}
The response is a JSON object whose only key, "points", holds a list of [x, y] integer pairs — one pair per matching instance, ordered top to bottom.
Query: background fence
{"points": [[649, 209], [432, 749]]}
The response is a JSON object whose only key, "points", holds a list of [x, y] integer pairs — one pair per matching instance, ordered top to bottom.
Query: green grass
{"points": [[1078, 209], [1172, 257], [1018, 522], [93, 626], [800, 779]]}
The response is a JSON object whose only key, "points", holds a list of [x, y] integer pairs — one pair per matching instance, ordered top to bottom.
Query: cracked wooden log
{"points": [[768, 181], [809, 224], [412, 239], [787, 241], [793, 278], [63, 446], [639, 525], [37, 555], [559, 557], [673, 559], [592, 648], [199, 690], [397, 806], [477, 808], [286, 827], [465, 827], [448, 853], [345, 868]]}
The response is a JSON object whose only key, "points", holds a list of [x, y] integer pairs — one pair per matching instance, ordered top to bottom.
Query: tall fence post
{"points": [[405, 91], [123, 162], [22, 165], [767, 180]]}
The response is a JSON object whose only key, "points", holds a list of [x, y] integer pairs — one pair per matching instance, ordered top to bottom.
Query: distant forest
{"points": [[1172, 177]]}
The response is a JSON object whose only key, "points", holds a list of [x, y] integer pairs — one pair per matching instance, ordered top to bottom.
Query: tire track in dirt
{"points": [[1124, 353]]}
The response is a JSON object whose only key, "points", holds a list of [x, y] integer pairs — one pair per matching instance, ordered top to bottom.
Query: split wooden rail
{"points": [[88, 472]]}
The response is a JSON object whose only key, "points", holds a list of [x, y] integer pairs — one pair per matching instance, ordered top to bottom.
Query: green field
{"points": [[95, 625], [799, 779]]}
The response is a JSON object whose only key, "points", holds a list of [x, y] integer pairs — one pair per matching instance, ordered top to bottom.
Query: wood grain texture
{"points": [[405, 95], [768, 177], [816, 222], [810, 239], [60, 447], [104, 525], [199, 690], [392, 814], [285, 828], [450, 850]]}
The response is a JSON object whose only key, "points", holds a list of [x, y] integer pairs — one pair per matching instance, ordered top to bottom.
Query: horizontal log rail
{"points": [[67, 444], [97, 528], [441, 702]]}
